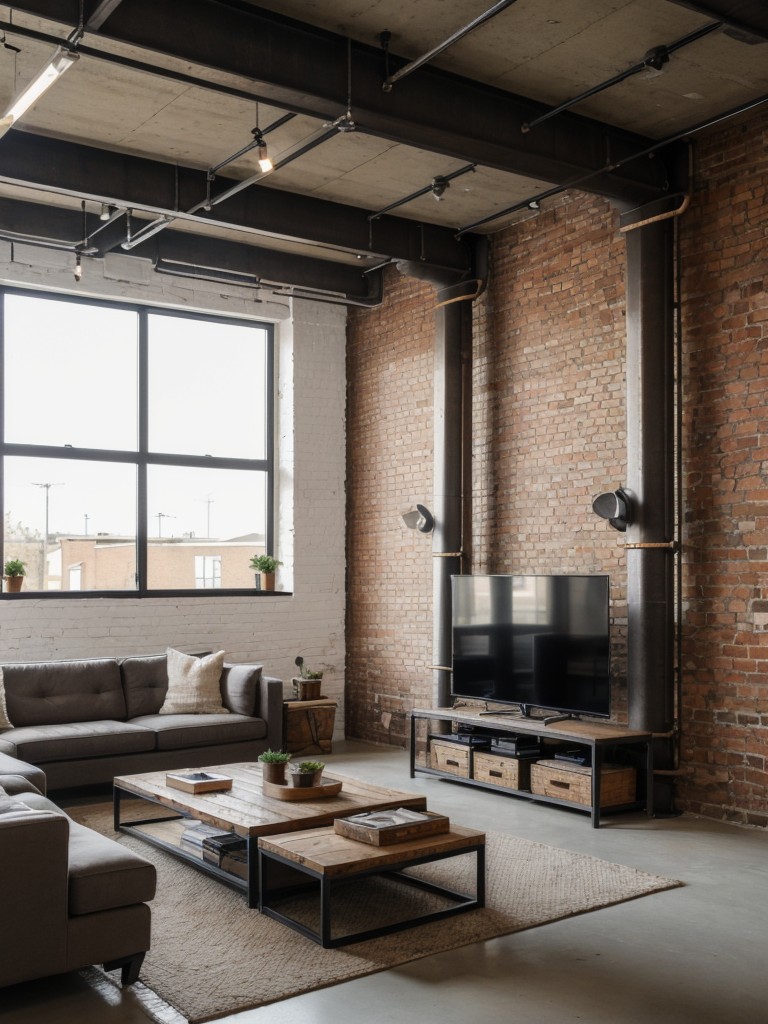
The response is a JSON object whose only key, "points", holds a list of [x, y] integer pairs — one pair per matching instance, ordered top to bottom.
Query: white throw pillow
{"points": [[194, 684], [5, 722]]}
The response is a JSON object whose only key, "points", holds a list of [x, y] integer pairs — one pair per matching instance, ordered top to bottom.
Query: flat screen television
{"points": [[534, 641]]}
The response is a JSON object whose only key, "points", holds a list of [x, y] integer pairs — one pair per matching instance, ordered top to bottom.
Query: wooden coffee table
{"points": [[244, 810], [325, 858]]}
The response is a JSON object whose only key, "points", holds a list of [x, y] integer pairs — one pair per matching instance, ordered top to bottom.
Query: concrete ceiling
{"points": [[163, 93]]}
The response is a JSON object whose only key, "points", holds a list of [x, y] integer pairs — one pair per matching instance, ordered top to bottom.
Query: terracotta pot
{"points": [[267, 581], [13, 584], [274, 771]]}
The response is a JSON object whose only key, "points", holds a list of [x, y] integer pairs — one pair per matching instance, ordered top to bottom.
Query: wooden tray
{"points": [[198, 782], [288, 792]]}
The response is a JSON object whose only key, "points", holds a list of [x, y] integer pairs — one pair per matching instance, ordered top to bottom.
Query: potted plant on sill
{"points": [[265, 566], [15, 570], [308, 684], [273, 765], [307, 773]]}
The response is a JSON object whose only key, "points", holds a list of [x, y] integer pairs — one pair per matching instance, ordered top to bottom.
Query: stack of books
{"points": [[196, 833], [228, 852]]}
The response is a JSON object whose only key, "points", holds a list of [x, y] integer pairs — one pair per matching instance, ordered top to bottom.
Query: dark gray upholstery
{"points": [[237, 690], [54, 692], [176, 731], [43, 743], [87, 749], [70, 897]]}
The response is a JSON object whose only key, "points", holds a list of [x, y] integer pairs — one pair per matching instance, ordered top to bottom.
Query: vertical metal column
{"points": [[451, 412], [650, 483], [447, 535]]}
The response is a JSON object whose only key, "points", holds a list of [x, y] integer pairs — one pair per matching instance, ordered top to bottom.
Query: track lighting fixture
{"points": [[60, 62], [265, 164], [438, 187], [78, 267]]}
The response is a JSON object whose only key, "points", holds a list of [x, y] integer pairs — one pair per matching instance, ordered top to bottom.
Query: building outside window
{"points": [[136, 446], [208, 572]]}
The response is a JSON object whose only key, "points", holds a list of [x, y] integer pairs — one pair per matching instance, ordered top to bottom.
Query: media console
{"points": [[567, 737]]}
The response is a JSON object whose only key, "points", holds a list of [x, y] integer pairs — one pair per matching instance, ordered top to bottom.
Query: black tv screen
{"points": [[535, 641]]}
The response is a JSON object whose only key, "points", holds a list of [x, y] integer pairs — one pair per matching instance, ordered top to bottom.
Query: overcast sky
{"points": [[71, 379]]}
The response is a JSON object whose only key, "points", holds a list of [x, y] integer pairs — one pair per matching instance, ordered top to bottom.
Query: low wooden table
{"points": [[245, 810], [328, 858]]}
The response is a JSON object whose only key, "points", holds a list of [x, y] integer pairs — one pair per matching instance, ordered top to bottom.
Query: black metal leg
{"points": [[412, 754], [597, 773], [649, 778], [116, 794], [254, 882], [480, 884], [325, 912]]}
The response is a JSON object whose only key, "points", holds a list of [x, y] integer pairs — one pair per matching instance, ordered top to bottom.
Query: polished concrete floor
{"points": [[692, 955]]}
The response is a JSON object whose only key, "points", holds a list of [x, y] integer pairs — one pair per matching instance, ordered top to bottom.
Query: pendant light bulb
{"points": [[265, 164], [79, 268]]}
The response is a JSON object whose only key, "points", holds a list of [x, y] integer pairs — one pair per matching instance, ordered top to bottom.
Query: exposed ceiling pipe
{"points": [[654, 59], [414, 65], [677, 137], [437, 187], [206, 204], [452, 428]]}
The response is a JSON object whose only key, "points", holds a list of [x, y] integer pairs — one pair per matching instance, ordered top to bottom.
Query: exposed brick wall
{"points": [[724, 243], [549, 433], [389, 585]]}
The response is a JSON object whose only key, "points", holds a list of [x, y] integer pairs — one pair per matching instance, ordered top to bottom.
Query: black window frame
{"points": [[142, 458]]}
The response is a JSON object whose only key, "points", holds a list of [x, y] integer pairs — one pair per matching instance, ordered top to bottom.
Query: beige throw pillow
{"points": [[193, 684], [5, 722]]}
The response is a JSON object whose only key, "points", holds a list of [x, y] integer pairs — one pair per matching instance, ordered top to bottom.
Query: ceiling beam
{"points": [[747, 16], [305, 69], [102, 176], [40, 224]]}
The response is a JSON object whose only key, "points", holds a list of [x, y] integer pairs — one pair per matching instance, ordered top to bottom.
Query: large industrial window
{"points": [[136, 446]]}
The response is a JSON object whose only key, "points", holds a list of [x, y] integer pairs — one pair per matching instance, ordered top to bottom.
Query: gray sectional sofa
{"points": [[84, 722], [70, 896]]}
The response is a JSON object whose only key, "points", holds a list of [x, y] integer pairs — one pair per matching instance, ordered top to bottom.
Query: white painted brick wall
{"points": [[310, 497]]}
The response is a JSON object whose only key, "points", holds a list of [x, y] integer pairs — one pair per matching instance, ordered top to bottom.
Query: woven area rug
{"points": [[211, 955]]}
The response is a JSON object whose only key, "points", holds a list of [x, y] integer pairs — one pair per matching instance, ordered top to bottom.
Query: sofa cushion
{"points": [[145, 682], [194, 684], [239, 687], [55, 692], [5, 722], [177, 732], [76, 740], [11, 766], [102, 873]]}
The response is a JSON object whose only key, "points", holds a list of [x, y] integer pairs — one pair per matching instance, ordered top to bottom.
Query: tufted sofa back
{"points": [[58, 692]]}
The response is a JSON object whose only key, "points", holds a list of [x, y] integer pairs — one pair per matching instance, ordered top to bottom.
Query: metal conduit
{"points": [[452, 429], [651, 548]]}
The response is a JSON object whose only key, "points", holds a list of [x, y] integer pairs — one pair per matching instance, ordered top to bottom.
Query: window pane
{"points": [[70, 374], [207, 387], [90, 511], [204, 514]]}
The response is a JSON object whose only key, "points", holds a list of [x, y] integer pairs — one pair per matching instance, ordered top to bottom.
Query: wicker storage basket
{"points": [[449, 757], [511, 772], [573, 782]]}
